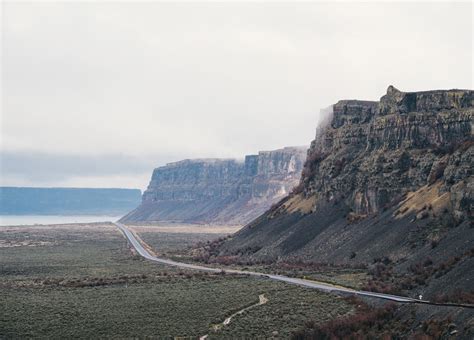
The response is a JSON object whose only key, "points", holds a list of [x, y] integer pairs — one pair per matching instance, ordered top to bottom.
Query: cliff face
{"points": [[371, 153], [383, 179], [216, 191]]}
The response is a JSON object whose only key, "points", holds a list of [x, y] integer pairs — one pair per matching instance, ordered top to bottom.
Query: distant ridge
{"points": [[219, 191], [67, 201]]}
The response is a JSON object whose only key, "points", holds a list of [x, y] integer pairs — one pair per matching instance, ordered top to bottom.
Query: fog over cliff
{"points": [[138, 85]]}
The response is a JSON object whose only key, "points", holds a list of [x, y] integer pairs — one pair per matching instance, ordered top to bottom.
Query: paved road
{"points": [[301, 282]]}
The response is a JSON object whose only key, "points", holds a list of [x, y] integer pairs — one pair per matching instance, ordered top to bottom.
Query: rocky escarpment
{"points": [[371, 153], [389, 179], [224, 191]]}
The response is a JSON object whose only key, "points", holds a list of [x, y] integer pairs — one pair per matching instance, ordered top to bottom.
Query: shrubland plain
{"points": [[82, 281]]}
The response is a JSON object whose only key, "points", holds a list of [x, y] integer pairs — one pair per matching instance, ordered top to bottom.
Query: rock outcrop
{"points": [[373, 152], [219, 191]]}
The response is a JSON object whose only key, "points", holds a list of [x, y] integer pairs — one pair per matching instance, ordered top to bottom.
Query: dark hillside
{"points": [[388, 186]]}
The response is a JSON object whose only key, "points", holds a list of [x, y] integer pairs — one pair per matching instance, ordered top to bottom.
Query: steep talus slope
{"points": [[389, 179], [219, 191]]}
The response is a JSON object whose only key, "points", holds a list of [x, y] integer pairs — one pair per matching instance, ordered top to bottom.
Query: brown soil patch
{"points": [[427, 197], [298, 203]]}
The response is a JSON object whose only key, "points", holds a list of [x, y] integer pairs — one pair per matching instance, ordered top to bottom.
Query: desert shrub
{"points": [[209, 251], [226, 260], [382, 277], [384, 280], [458, 296], [366, 323], [433, 329]]}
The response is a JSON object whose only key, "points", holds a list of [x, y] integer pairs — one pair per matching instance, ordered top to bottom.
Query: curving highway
{"points": [[300, 282]]}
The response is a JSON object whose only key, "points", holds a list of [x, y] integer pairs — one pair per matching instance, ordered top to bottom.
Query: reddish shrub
{"points": [[456, 297], [366, 323]]}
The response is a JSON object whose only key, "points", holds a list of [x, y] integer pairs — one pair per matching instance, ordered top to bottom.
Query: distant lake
{"points": [[53, 219]]}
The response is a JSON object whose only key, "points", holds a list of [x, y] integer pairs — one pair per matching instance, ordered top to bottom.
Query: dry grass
{"points": [[427, 196], [298, 203], [40, 235], [176, 240], [26, 243]]}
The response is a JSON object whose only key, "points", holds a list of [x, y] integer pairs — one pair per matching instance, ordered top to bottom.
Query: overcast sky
{"points": [[98, 94]]}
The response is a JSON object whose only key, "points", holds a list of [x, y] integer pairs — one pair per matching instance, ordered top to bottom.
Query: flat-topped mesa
{"points": [[399, 102], [401, 119], [197, 170], [215, 176], [225, 191]]}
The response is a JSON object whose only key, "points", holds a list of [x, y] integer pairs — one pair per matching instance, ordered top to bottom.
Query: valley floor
{"points": [[82, 281]]}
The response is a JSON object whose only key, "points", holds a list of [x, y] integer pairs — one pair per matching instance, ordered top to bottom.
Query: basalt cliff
{"points": [[386, 183], [219, 191]]}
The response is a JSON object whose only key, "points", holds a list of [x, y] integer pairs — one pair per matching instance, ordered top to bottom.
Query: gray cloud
{"points": [[85, 83], [46, 166], [29, 168]]}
